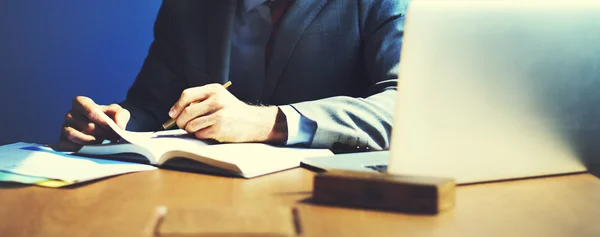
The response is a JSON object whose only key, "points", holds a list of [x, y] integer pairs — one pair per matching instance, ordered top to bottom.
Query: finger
{"points": [[195, 94], [90, 109], [198, 110], [112, 112], [118, 114], [122, 118], [78, 121], [201, 122], [81, 123], [207, 133], [77, 137], [65, 144]]}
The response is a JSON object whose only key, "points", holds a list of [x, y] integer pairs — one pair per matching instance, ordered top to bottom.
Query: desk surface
{"points": [[123, 206]]}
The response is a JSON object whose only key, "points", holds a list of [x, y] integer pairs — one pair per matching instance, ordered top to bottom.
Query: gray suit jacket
{"points": [[335, 61]]}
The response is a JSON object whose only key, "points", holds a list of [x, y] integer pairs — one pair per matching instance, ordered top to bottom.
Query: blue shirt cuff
{"points": [[301, 130]]}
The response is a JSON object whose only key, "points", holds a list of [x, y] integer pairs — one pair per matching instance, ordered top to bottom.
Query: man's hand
{"points": [[211, 112], [85, 123]]}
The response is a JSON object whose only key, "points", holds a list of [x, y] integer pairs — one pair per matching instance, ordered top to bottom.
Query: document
{"points": [[39, 161], [17, 178]]}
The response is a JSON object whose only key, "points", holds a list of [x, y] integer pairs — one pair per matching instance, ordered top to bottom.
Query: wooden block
{"points": [[414, 194], [227, 221]]}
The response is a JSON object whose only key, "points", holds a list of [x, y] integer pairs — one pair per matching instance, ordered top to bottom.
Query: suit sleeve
{"points": [[160, 80], [365, 122]]}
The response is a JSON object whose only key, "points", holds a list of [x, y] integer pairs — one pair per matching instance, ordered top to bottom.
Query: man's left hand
{"points": [[212, 112]]}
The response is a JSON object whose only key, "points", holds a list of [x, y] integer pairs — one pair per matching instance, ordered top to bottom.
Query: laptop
{"points": [[493, 90]]}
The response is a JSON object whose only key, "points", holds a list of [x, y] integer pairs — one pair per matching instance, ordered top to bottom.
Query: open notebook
{"points": [[178, 150]]}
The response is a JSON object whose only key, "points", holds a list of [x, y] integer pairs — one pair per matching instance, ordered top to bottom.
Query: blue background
{"points": [[52, 51]]}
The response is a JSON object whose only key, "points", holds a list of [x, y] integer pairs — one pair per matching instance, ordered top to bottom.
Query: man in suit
{"points": [[314, 73]]}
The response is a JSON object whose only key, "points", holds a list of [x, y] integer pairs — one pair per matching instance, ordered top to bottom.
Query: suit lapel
{"points": [[299, 16]]}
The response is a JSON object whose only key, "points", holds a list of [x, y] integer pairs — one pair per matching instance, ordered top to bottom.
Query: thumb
{"points": [[118, 114]]}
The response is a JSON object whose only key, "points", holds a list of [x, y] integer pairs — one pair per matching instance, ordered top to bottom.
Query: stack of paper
{"points": [[35, 164], [17, 178]]}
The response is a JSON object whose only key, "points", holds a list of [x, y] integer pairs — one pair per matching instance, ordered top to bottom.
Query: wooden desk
{"points": [[122, 206]]}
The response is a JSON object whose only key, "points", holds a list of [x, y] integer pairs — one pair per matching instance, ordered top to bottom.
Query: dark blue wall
{"points": [[51, 51]]}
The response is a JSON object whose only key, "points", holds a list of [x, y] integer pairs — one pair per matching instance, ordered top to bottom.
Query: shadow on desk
{"points": [[593, 169], [595, 173], [8, 185], [309, 201]]}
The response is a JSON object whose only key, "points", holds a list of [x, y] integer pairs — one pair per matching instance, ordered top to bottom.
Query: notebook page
{"points": [[141, 138], [255, 158]]}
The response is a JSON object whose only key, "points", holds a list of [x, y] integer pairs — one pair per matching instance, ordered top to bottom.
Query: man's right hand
{"points": [[86, 123]]}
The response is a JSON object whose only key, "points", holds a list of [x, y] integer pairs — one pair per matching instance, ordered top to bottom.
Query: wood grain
{"points": [[125, 206], [233, 221]]}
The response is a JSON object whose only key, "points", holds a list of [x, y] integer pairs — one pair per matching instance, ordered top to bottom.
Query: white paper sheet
{"points": [[39, 161]]}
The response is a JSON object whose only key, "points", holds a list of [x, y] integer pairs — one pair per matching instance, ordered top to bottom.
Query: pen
{"points": [[171, 122]]}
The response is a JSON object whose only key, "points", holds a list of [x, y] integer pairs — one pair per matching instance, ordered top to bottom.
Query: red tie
{"points": [[278, 9]]}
